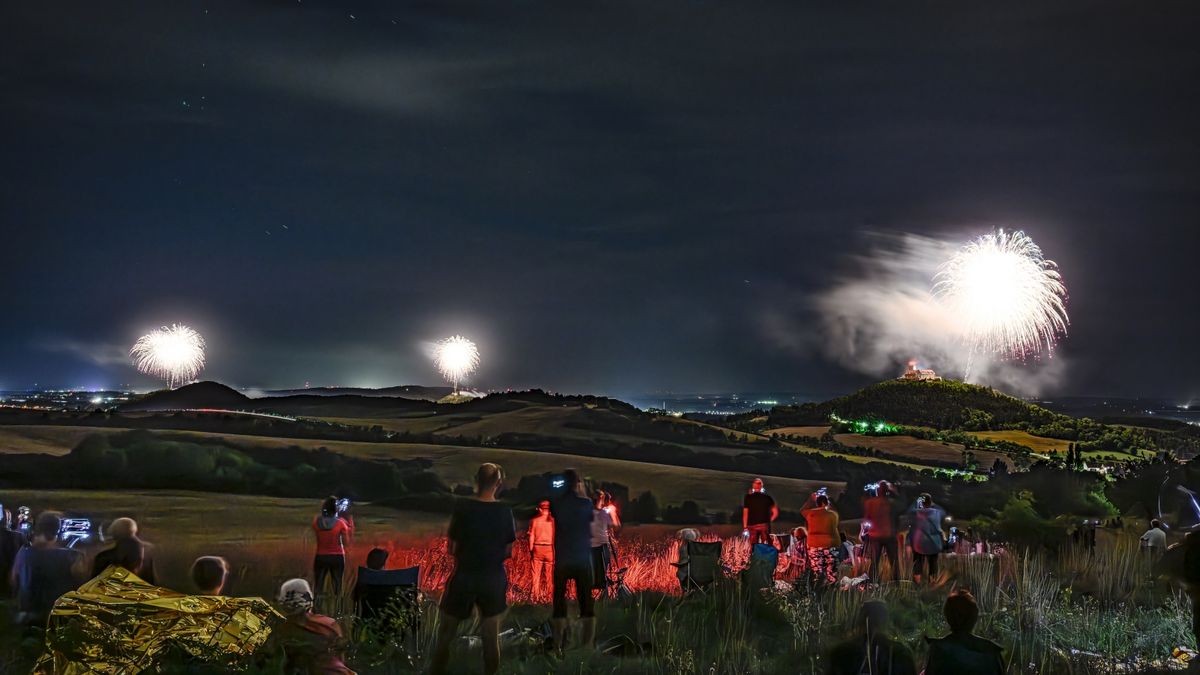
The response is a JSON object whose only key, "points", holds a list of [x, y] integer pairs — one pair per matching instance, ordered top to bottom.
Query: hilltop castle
{"points": [[919, 374]]}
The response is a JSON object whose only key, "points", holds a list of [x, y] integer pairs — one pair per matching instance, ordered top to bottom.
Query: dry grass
{"points": [[1039, 444]]}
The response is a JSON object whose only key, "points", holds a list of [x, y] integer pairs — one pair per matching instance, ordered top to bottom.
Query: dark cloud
{"points": [[621, 197]]}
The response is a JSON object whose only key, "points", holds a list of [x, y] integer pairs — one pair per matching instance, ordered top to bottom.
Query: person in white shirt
{"points": [[601, 537], [1155, 539]]}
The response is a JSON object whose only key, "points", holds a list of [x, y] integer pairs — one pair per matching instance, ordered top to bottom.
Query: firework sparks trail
{"points": [[1009, 299], [175, 354], [456, 357]]}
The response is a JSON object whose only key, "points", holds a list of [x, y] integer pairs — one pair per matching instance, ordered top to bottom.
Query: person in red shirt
{"points": [[334, 532], [881, 533]]}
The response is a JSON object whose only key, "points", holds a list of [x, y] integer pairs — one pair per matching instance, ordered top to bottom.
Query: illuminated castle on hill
{"points": [[919, 374]]}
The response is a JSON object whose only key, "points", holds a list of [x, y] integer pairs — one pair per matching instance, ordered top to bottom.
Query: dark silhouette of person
{"points": [[962, 651]]}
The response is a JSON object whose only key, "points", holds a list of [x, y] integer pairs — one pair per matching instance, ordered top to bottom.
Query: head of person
{"points": [[488, 478], [574, 482], [756, 485], [885, 489], [598, 499], [926, 500], [822, 501], [329, 506], [544, 508], [1157, 523], [47, 526], [123, 528], [688, 534], [799, 534], [130, 553], [377, 558], [209, 574], [295, 597], [961, 611], [873, 617]]}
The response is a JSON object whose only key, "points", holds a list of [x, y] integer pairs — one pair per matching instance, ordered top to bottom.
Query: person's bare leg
{"points": [[447, 627], [489, 632]]}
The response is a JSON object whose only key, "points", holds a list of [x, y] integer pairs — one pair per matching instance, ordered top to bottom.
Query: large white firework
{"points": [[1007, 298], [175, 354], [456, 357]]}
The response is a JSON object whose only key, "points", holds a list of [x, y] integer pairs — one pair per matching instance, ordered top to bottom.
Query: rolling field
{"points": [[813, 432], [53, 440], [1039, 444], [918, 448], [715, 490]]}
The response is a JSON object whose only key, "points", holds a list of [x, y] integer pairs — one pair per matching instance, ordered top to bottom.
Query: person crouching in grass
{"points": [[481, 536]]}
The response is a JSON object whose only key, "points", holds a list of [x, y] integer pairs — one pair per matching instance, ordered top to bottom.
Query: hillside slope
{"points": [[944, 404]]}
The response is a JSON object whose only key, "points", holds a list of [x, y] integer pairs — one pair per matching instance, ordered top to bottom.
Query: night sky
{"points": [[615, 197]]}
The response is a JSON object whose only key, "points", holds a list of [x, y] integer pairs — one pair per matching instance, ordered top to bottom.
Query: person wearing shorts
{"points": [[573, 514], [481, 536]]}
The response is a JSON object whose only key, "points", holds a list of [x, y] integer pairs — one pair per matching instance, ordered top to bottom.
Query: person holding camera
{"points": [[880, 522], [334, 531], [926, 537]]}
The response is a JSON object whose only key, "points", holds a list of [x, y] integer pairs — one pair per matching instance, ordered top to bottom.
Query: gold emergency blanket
{"points": [[117, 623]]}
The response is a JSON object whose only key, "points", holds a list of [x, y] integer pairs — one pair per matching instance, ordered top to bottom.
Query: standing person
{"points": [[610, 507], [758, 512], [879, 513], [573, 514], [334, 532], [481, 536], [601, 536], [926, 538], [823, 539], [1154, 541], [541, 550], [128, 551], [43, 571], [312, 643], [962, 651]]}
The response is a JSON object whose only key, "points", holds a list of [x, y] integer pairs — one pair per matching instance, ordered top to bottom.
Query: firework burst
{"points": [[1007, 298], [175, 354], [456, 357]]}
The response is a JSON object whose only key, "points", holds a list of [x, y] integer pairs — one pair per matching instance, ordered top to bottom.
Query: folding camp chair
{"points": [[703, 565], [388, 600]]}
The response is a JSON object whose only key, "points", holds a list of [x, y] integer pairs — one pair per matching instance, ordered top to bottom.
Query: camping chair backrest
{"points": [[704, 560], [377, 589]]}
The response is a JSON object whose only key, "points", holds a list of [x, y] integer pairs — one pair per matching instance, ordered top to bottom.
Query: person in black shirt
{"points": [[758, 510], [573, 515], [481, 538], [962, 651]]}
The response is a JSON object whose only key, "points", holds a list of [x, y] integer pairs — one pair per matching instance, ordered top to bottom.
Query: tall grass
{"points": [[1072, 611]]}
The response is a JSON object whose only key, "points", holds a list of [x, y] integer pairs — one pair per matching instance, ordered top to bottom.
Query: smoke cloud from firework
{"points": [[886, 312], [174, 354]]}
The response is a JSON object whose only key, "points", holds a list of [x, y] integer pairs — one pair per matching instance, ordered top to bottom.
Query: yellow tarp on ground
{"points": [[119, 624]]}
